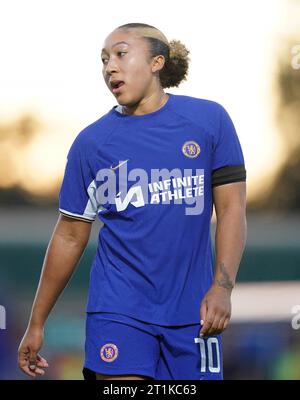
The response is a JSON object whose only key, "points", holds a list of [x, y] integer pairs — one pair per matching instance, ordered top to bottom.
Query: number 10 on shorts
{"points": [[206, 353]]}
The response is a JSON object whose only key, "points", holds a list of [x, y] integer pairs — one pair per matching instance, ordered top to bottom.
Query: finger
{"points": [[203, 310], [203, 313], [226, 323], [207, 324], [214, 326], [221, 326], [218, 327], [40, 358], [32, 360], [41, 362], [25, 368], [34, 369], [39, 371], [28, 372]]}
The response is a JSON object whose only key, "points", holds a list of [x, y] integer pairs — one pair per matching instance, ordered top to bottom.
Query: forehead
{"points": [[122, 37]]}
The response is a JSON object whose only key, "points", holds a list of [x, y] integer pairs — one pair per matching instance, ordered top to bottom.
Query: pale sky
{"points": [[51, 65]]}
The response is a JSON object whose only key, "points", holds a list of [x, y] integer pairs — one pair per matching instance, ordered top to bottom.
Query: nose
{"points": [[111, 66]]}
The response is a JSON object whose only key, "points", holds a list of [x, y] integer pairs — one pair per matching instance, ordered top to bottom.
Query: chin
{"points": [[128, 103]]}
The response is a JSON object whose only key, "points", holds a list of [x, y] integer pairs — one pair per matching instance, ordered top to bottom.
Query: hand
{"points": [[215, 310], [29, 361]]}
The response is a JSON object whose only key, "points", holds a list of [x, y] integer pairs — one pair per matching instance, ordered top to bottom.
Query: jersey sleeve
{"points": [[228, 163], [77, 192]]}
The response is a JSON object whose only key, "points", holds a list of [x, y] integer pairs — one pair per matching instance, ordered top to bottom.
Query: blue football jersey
{"points": [[149, 178]]}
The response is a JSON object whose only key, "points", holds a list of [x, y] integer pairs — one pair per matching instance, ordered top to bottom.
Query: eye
{"points": [[104, 60]]}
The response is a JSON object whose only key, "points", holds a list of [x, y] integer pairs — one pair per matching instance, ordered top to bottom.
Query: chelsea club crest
{"points": [[191, 149]]}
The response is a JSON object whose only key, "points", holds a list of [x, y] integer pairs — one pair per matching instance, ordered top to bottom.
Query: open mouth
{"points": [[116, 85]]}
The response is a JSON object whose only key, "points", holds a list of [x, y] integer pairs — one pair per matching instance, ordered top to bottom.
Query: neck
{"points": [[147, 105]]}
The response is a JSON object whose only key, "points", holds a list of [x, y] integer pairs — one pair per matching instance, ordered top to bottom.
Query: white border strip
{"points": [[75, 215]]}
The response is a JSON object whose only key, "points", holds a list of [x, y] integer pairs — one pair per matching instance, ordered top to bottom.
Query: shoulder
{"points": [[198, 102], [203, 110], [95, 133]]}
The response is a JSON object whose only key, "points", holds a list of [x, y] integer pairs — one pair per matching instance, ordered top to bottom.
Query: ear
{"points": [[158, 63]]}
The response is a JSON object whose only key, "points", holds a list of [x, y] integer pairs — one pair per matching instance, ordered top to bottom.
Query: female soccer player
{"points": [[151, 169]]}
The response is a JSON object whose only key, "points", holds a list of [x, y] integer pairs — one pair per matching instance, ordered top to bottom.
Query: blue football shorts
{"points": [[117, 344]]}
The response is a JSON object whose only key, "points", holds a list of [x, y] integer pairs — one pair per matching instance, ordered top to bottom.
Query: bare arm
{"points": [[231, 231], [230, 240], [68, 241]]}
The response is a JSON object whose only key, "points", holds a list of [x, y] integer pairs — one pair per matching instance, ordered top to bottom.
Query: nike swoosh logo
{"points": [[119, 165]]}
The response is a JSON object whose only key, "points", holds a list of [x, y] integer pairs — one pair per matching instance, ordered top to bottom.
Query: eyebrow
{"points": [[122, 41]]}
